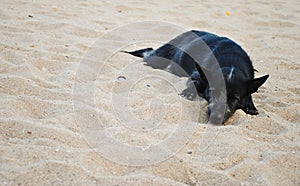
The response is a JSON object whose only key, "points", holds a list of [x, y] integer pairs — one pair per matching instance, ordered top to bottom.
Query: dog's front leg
{"points": [[217, 108]]}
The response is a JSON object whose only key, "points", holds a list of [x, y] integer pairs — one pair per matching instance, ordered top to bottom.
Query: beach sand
{"points": [[64, 118]]}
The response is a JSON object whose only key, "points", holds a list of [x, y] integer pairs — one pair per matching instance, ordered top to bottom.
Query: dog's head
{"points": [[238, 90]]}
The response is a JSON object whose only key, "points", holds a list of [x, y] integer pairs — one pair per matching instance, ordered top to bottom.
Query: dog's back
{"points": [[206, 45], [228, 53]]}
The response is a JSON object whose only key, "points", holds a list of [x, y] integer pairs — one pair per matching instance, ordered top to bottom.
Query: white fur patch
{"points": [[146, 54], [230, 74]]}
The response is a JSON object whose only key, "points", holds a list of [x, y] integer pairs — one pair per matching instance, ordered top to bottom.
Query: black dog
{"points": [[202, 57]]}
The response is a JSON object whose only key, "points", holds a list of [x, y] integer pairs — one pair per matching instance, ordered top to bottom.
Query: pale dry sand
{"points": [[42, 142]]}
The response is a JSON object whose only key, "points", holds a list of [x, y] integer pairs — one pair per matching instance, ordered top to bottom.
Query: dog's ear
{"points": [[201, 72], [254, 84]]}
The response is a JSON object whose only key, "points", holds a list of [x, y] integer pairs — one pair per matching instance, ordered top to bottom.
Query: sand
{"points": [[70, 116]]}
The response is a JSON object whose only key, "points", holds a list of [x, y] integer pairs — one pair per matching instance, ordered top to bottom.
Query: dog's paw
{"points": [[189, 93]]}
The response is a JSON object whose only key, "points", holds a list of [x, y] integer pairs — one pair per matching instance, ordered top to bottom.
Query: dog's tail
{"points": [[140, 53]]}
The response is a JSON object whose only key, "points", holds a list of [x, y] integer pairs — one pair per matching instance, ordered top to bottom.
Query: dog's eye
{"points": [[233, 97], [236, 97], [234, 100]]}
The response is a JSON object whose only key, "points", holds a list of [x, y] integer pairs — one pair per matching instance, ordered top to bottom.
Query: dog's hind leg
{"points": [[195, 85], [190, 92]]}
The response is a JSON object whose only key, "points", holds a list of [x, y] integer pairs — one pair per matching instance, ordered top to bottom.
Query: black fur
{"points": [[139, 53], [178, 56]]}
